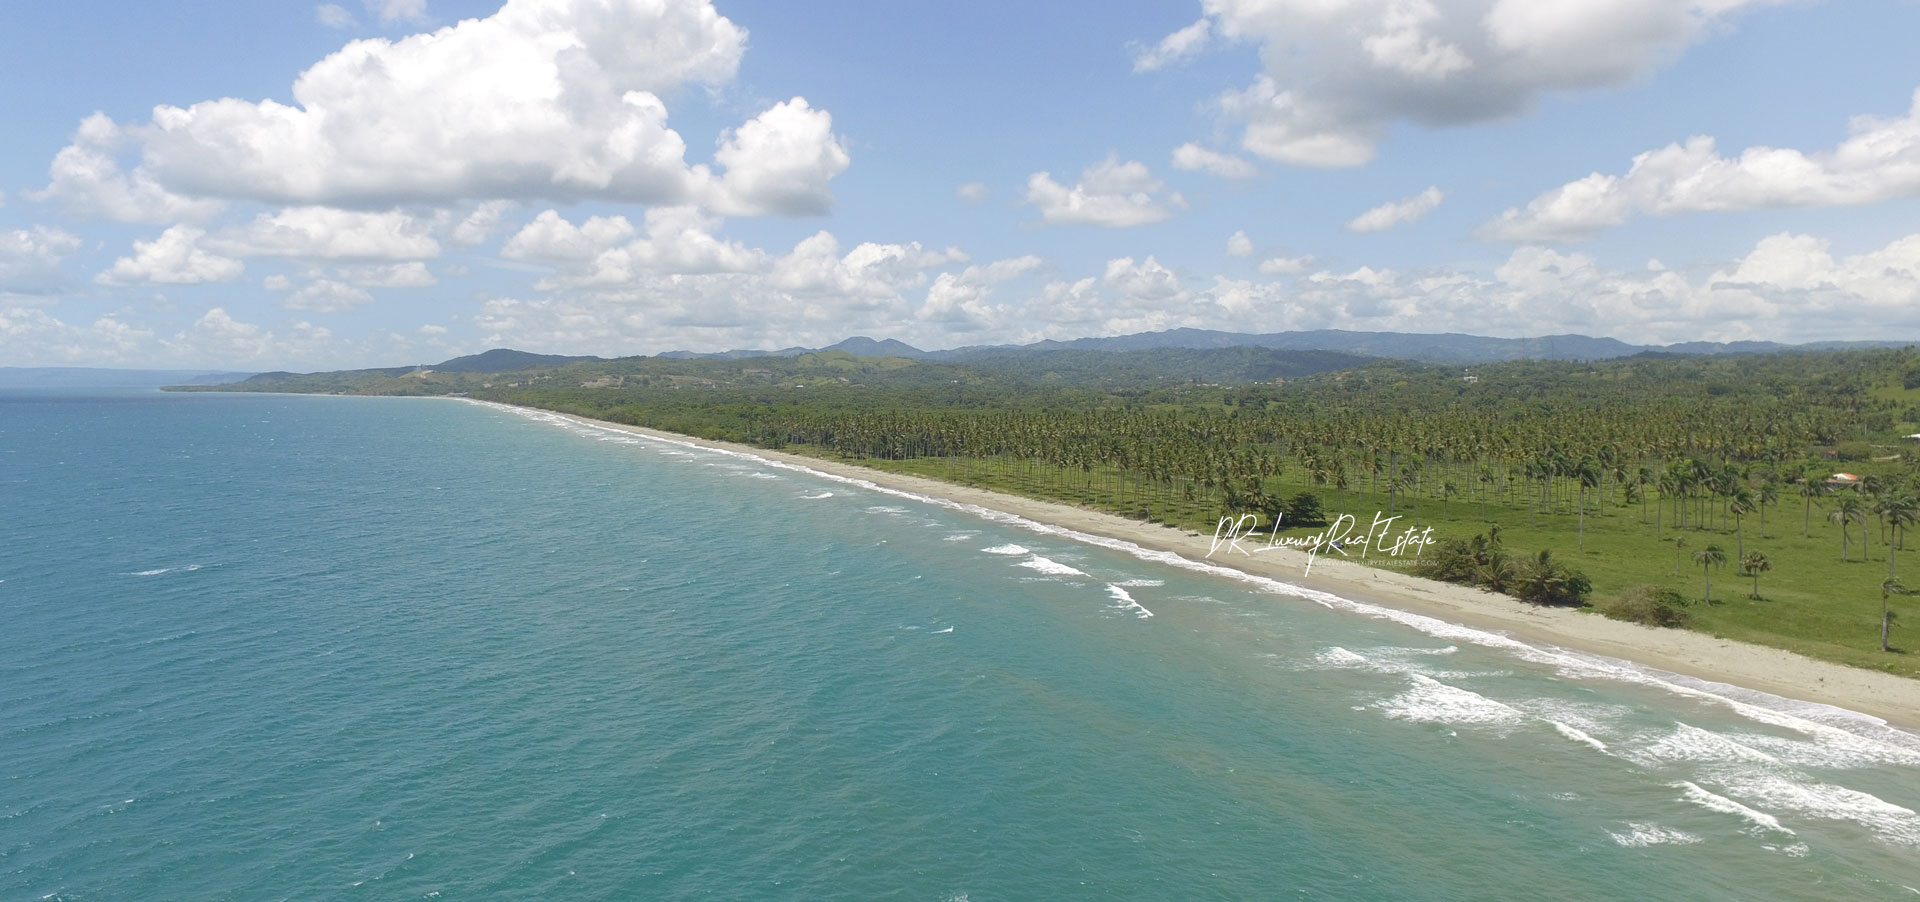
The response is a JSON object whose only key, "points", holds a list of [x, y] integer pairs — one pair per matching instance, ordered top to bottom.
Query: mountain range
{"points": [[1449, 347]]}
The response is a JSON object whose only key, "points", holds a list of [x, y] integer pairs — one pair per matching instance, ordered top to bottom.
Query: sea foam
{"points": [[1126, 601]]}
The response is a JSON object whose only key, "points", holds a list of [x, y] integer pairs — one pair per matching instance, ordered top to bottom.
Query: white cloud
{"points": [[390, 11], [334, 15], [1173, 49], [1337, 75], [557, 99], [1192, 157], [1880, 161], [780, 162], [85, 177], [973, 192], [1110, 193], [1399, 212], [478, 226], [325, 233], [551, 238], [1239, 245], [610, 251], [174, 258], [30, 259], [1283, 265], [868, 272], [413, 274], [1146, 280], [819, 293], [328, 296], [960, 300], [30, 336], [217, 338]]}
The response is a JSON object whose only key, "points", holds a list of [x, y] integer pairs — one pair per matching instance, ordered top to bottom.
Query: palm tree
{"points": [[1589, 476], [1642, 479], [1811, 487], [1768, 493], [1740, 503], [1900, 510], [1847, 512], [1679, 551], [1709, 558], [1753, 563], [1888, 589]]}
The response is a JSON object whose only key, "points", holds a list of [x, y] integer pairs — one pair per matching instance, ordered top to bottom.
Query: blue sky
{"points": [[635, 176]]}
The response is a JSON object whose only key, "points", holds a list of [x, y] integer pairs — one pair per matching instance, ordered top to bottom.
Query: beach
{"points": [[1774, 671]]}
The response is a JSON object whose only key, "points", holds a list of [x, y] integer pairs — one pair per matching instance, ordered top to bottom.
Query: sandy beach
{"points": [[1770, 670]]}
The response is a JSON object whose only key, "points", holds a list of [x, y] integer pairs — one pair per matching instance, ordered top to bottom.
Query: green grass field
{"points": [[1810, 602]]}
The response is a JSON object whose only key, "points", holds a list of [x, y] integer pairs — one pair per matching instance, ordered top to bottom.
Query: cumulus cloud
{"points": [[1173, 49], [1337, 75], [553, 99], [1192, 157], [1880, 161], [780, 162], [86, 178], [973, 192], [1110, 193], [1399, 212], [478, 225], [325, 233], [550, 238], [1239, 245], [610, 250], [174, 258], [30, 259], [868, 272], [413, 274], [1146, 280], [1788, 287], [818, 293], [328, 296], [961, 300], [30, 336], [217, 337]]}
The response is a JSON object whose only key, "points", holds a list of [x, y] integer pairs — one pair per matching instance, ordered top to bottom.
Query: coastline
{"points": [[1698, 656]]}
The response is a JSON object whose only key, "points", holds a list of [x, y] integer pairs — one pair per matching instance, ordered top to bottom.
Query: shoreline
{"points": [[1697, 656]]}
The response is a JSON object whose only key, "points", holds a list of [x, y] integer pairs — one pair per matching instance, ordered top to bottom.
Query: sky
{"points": [[260, 185]]}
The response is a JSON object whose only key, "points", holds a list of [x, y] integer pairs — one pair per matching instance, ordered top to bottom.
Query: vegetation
{"points": [[1600, 471], [1649, 605]]}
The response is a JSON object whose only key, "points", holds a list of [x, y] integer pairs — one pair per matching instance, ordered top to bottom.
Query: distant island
{"points": [[1747, 491]]}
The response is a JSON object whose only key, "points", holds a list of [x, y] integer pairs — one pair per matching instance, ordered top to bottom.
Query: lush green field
{"points": [[1810, 602]]}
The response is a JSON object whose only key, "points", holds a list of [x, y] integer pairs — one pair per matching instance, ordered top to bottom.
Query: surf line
{"points": [[1752, 704]]}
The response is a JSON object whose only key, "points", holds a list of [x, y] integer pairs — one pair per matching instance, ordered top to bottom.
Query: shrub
{"points": [[1305, 509], [1452, 560], [1543, 580], [1651, 605]]}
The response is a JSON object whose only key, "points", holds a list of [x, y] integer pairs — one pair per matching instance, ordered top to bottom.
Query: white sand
{"points": [[1775, 671]]}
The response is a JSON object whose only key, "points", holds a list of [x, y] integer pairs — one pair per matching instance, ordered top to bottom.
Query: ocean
{"points": [[282, 647]]}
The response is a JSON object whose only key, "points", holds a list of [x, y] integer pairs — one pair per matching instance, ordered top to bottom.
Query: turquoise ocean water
{"points": [[261, 647]]}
